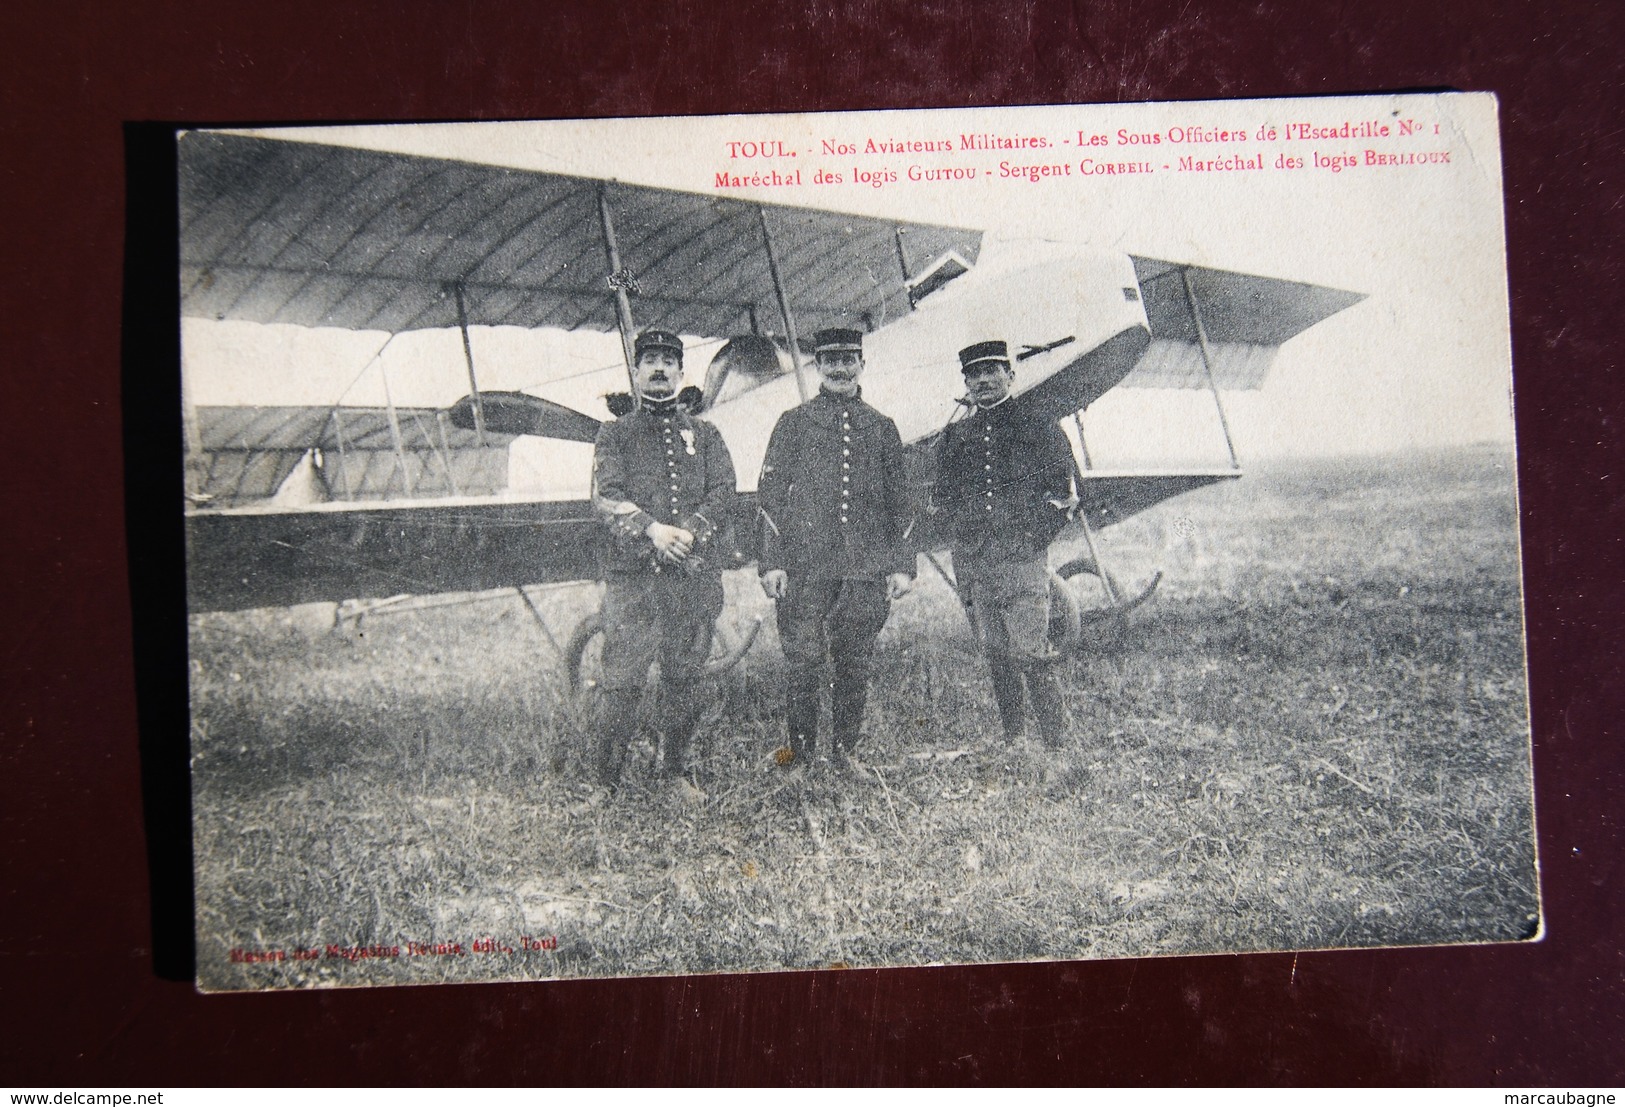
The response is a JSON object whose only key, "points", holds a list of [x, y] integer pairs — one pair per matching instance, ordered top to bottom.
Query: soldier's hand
{"points": [[672, 543], [775, 582], [898, 585]]}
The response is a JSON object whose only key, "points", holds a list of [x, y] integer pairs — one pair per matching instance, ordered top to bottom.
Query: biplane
{"points": [[291, 505]]}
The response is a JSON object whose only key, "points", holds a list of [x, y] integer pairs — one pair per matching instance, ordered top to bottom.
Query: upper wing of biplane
{"points": [[277, 231], [1241, 319]]}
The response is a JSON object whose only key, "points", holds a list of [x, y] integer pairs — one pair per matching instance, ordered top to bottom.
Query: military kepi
{"points": [[656, 339], [832, 339], [972, 357]]}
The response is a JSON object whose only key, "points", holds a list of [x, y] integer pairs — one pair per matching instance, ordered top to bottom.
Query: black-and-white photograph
{"points": [[726, 544]]}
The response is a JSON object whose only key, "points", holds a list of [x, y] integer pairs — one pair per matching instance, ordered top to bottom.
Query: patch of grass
{"points": [[1315, 736]]}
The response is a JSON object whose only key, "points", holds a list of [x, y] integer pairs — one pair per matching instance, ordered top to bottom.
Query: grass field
{"points": [[1314, 737]]}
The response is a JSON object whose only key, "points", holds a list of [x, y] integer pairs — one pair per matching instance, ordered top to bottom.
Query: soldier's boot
{"points": [[1007, 694], [850, 696], [681, 697], [1049, 707], [801, 715], [617, 721], [846, 737], [674, 744]]}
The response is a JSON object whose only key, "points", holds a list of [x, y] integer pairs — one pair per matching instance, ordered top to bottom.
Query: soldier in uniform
{"points": [[663, 483], [1004, 488], [836, 512]]}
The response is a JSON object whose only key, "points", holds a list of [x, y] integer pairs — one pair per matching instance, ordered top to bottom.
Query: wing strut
{"points": [[902, 262], [618, 280], [784, 304], [468, 356], [1207, 363], [395, 433], [1083, 443], [445, 447], [344, 458], [196, 477], [1082, 513], [1094, 554]]}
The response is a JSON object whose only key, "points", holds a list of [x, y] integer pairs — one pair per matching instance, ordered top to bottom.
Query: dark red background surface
{"points": [[84, 1002]]}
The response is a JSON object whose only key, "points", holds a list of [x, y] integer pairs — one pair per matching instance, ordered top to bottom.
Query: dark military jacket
{"points": [[660, 464], [997, 472], [834, 498]]}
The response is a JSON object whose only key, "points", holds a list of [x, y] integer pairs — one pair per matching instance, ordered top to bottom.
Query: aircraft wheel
{"points": [[1095, 597], [1103, 606], [1065, 615], [729, 645], [584, 652]]}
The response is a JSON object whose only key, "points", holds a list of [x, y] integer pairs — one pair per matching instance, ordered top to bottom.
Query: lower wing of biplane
{"points": [[289, 505]]}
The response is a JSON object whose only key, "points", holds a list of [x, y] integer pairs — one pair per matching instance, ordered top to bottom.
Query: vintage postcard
{"points": [[732, 544]]}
